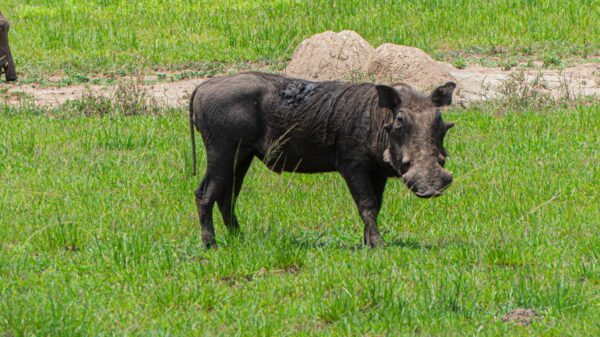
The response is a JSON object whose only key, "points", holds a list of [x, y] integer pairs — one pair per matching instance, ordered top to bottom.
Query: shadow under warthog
{"points": [[7, 64], [320, 242]]}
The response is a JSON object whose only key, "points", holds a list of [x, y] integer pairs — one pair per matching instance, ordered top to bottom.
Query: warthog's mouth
{"points": [[429, 194]]}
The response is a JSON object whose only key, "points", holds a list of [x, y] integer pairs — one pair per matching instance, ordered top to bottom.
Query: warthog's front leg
{"points": [[359, 181], [378, 181]]}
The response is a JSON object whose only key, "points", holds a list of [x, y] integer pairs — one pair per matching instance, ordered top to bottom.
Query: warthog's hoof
{"points": [[9, 75], [208, 241], [374, 242], [210, 245]]}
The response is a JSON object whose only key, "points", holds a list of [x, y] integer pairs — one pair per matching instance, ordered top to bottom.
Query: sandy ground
{"points": [[474, 83], [480, 83], [173, 94]]}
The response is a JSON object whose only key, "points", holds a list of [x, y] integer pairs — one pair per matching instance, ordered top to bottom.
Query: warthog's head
{"points": [[7, 65], [416, 137]]}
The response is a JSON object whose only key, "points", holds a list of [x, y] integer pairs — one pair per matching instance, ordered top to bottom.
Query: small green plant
{"points": [[527, 50], [552, 61], [486, 62], [460, 63], [508, 64], [184, 75], [81, 78], [521, 93], [130, 97], [90, 104]]}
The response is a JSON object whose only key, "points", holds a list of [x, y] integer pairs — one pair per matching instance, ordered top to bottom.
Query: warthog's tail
{"points": [[192, 131]]}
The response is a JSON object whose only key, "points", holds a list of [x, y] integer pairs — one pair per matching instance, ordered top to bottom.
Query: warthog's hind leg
{"points": [[218, 173], [217, 186], [232, 190], [204, 203]]}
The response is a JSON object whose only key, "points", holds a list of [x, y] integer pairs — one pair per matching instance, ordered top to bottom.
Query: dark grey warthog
{"points": [[7, 65], [366, 132]]}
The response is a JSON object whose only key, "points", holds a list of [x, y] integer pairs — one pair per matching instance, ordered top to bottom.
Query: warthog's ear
{"points": [[442, 95], [388, 97]]}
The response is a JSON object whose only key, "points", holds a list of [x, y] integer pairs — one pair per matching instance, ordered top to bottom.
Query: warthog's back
{"points": [[291, 124]]}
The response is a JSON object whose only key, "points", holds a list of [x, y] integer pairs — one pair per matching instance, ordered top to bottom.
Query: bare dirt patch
{"points": [[475, 83], [480, 83], [172, 94], [520, 316]]}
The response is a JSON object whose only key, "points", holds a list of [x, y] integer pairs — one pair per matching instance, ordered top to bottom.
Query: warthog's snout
{"points": [[425, 187]]}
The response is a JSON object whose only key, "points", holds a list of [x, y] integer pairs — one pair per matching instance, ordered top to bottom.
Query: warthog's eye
{"points": [[400, 121], [441, 159]]}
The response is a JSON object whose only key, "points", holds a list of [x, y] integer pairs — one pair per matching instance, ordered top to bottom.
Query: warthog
{"points": [[7, 65], [366, 132]]}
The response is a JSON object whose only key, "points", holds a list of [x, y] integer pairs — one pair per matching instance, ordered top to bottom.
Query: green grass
{"points": [[110, 36], [99, 236]]}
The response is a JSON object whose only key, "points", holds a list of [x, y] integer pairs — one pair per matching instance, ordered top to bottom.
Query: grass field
{"points": [[118, 37], [98, 227], [99, 236]]}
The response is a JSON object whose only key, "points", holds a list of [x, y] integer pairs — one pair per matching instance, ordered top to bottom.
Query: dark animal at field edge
{"points": [[7, 64], [367, 132]]}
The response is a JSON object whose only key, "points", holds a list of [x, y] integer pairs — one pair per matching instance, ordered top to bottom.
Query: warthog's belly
{"points": [[290, 158]]}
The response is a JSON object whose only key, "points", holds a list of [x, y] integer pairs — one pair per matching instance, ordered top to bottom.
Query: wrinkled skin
{"points": [[7, 64], [366, 132]]}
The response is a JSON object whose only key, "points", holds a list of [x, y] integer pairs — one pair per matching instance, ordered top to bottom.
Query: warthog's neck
{"points": [[380, 139]]}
